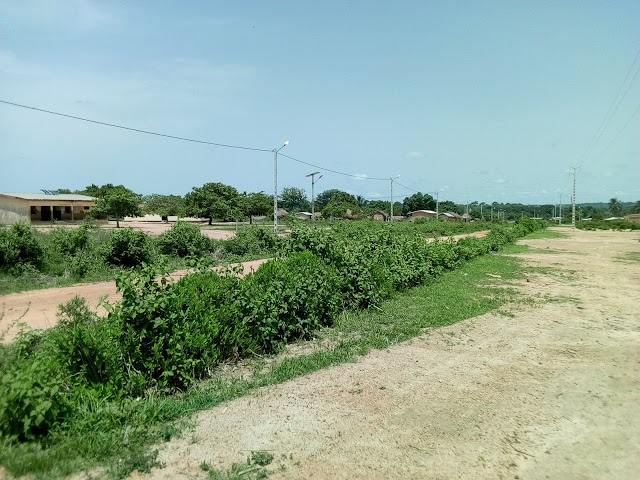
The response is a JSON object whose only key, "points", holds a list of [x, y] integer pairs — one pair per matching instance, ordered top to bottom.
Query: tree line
{"points": [[217, 201]]}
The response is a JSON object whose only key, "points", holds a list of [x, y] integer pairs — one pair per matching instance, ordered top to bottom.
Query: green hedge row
{"points": [[163, 336]]}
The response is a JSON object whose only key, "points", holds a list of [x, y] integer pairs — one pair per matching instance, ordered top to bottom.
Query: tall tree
{"points": [[335, 195], [294, 199], [213, 200], [115, 201], [418, 201], [257, 204], [164, 205], [615, 206]]}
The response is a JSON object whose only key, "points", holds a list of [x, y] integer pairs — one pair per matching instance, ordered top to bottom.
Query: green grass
{"points": [[629, 257], [119, 438]]}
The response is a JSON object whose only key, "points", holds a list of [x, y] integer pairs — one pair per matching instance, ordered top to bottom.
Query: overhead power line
{"points": [[615, 104], [138, 130], [330, 170], [408, 188]]}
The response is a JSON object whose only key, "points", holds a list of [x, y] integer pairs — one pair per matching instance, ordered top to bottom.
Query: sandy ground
{"points": [[38, 308], [551, 391]]}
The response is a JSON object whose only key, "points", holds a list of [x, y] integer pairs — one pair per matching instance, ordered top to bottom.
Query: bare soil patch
{"points": [[547, 391]]}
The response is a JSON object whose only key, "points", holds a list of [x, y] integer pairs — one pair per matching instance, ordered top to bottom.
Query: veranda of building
{"points": [[34, 208]]}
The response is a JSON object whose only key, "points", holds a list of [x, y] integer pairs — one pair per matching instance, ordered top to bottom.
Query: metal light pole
{"points": [[275, 185], [313, 198], [391, 209]]}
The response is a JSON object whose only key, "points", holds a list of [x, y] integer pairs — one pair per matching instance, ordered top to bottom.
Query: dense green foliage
{"points": [[607, 225], [183, 239], [19, 246], [128, 248]]}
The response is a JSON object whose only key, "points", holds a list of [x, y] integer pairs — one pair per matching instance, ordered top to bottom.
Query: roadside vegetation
{"points": [[607, 225], [31, 259], [97, 392]]}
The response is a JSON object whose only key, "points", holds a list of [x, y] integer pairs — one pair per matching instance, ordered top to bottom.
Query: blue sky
{"points": [[485, 100]]}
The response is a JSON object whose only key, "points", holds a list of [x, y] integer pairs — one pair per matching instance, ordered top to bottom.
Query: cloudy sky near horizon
{"points": [[486, 101]]}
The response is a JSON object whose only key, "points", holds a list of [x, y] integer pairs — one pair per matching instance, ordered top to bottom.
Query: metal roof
{"points": [[62, 197], [424, 211]]}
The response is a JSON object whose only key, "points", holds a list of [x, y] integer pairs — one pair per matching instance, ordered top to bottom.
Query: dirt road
{"points": [[38, 308], [549, 392]]}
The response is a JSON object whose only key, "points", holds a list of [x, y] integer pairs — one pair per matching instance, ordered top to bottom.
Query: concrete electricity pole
{"points": [[275, 185], [313, 198], [573, 198], [391, 209]]}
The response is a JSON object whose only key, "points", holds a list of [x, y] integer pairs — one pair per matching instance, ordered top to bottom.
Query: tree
{"points": [[335, 195], [294, 199], [214, 200], [116, 201], [361, 201], [418, 201], [257, 204], [164, 205], [381, 205], [447, 206], [615, 206], [636, 207], [335, 209]]}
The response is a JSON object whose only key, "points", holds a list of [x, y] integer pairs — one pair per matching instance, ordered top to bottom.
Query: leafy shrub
{"points": [[607, 225], [183, 239], [70, 241], [252, 241], [19, 245], [128, 248], [286, 299], [85, 346], [32, 400]]}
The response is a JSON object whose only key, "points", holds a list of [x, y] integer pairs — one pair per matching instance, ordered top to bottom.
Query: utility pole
{"points": [[275, 185], [313, 198], [573, 198], [560, 208], [391, 209]]}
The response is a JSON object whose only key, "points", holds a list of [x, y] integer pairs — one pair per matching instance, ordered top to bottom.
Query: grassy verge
{"points": [[629, 257], [116, 439]]}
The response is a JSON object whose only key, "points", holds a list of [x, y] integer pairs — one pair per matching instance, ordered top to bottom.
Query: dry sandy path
{"points": [[38, 308], [549, 392]]}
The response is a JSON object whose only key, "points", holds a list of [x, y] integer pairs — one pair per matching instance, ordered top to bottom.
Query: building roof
{"points": [[43, 196], [423, 211], [308, 214], [447, 214]]}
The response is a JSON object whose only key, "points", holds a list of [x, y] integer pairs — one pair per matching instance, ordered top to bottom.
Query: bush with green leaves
{"points": [[183, 239], [70, 241], [252, 241], [19, 245], [128, 247], [287, 299], [32, 399]]}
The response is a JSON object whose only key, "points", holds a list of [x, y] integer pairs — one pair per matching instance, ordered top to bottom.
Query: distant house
{"points": [[43, 207], [282, 213], [423, 214], [304, 215], [380, 216], [451, 217], [466, 217], [634, 217], [398, 218], [610, 219]]}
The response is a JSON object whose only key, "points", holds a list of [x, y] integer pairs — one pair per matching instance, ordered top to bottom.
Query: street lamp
{"points": [[275, 185], [313, 198], [560, 208], [391, 209]]}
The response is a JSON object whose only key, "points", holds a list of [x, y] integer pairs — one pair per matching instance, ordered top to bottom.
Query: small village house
{"points": [[35, 208], [423, 214]]}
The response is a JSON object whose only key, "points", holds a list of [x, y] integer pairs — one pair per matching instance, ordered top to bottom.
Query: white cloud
{"points": [[415, 155], [360, 176], [499, 180], [373, 195]]}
